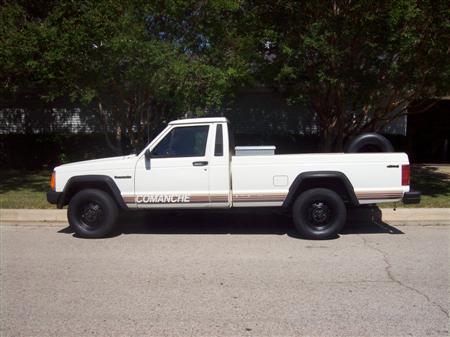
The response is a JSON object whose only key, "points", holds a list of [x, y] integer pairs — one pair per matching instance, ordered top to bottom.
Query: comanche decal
{"points": [[162, 199], [174, 199]]}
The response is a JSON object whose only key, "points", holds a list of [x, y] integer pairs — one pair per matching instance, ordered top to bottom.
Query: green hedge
{"points": [[44, 151]]}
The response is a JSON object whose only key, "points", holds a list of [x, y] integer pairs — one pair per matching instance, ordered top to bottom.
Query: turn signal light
{"points": [[405, 175], [53, 181]]}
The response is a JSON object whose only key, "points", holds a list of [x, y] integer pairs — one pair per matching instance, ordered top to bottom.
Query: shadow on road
{"points": [[360, 221]]}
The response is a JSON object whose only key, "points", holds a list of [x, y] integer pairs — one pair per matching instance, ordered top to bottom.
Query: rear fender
{"points": [[334, 180]]}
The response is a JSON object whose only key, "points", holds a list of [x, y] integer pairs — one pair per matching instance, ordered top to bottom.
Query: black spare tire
{"points": [[369, 142]]}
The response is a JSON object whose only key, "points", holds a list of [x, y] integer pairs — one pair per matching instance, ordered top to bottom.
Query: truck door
{"points": [[177, 172]]}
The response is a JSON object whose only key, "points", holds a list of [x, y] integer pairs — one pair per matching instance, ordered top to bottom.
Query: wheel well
{"points": [[332, 183], [74, 188]]}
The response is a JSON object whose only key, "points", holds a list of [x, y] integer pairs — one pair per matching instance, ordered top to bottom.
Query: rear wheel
{"points": [[92, 213], [319, 213]]}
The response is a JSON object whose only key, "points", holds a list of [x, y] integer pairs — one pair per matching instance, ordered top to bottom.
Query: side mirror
{"points": [[147, 156]]}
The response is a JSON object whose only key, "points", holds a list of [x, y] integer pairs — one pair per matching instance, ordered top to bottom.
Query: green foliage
{"points": [[109, 56], [355, 64]]}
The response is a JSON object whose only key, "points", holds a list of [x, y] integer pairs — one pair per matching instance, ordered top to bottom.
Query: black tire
{"points": [[369, 142], [92, 213], [319, 214]]}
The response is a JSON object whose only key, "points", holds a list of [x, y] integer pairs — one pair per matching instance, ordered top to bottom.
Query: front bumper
{"points": [[53, 197], [411, 198]]}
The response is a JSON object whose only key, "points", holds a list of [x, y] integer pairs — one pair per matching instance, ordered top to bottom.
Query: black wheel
{"points": [[369, 142], [92, 213], [319, 213]]}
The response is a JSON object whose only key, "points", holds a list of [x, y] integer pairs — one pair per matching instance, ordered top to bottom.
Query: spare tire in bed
{"points": [[369, 142]]}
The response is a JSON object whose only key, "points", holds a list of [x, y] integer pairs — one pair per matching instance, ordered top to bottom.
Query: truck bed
{"points": [[265, 180]]}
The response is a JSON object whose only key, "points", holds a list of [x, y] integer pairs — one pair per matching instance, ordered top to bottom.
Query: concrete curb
{"points": [[32, 215], [401, 216]]}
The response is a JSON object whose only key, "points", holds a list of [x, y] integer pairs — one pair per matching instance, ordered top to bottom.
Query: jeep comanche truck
{"points": [[191, 164]]}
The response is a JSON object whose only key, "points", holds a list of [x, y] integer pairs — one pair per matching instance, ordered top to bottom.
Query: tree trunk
{"points": [[331, 139], [326, 140], [117, 147]]}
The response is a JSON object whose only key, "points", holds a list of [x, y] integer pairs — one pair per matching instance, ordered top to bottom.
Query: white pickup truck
{"points": [[191, 164]]}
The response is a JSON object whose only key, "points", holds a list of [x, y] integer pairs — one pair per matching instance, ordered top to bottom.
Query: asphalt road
{"points": [[219, 275]]}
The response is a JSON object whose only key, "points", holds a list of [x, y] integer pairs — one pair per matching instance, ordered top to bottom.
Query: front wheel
{"points": [[92, 213], [319, 213]]}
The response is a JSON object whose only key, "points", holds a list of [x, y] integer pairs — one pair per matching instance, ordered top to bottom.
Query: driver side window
{"points": [[187, 141]]}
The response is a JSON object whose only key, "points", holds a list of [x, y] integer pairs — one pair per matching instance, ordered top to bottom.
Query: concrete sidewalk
{"points": [[400, 216]]}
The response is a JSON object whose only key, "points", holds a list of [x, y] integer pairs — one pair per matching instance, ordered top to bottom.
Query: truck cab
{"points": [[187, 165]]}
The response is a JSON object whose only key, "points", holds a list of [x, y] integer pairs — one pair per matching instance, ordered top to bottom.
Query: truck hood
{"points": [[99, 164]]}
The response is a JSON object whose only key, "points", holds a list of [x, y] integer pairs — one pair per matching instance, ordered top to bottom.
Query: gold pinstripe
{"points": [[271, 197]]}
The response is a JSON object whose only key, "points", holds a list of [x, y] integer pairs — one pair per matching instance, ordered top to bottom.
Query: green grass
{"points": [[433, 181], [24, 189], [27, 189]]}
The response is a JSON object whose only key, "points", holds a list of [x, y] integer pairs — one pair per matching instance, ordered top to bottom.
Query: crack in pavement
{"points": [[393, 279]]}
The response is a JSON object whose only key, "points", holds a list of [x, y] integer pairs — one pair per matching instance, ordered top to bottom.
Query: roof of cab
{"points": [[199, 120]]}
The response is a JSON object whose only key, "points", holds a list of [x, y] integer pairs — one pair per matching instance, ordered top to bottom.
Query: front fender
{"points": [[75, 183]]}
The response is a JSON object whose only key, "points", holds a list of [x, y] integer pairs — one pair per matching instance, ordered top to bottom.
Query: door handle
{"points": [[200, 163]]}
